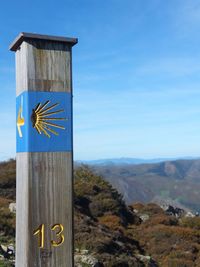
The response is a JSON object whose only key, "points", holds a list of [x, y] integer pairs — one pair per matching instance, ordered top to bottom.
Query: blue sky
{"points": [[136, 74]]}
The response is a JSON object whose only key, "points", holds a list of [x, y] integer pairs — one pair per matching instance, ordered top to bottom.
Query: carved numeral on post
{"points": [[59, 228], [40, 231], [59, 235]]}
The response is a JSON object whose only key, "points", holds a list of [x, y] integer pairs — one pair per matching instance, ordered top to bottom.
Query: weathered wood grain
{"points": [[44, 180]]}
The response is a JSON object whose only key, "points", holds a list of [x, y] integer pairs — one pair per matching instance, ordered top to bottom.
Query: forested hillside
{"points": [[176, 181]]}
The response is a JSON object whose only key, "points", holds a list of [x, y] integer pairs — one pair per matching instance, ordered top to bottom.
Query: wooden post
{"points": [[44, 224]]}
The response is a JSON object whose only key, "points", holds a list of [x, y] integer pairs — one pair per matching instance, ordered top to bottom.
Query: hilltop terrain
{"points": [[176, 181], [108, 232]]}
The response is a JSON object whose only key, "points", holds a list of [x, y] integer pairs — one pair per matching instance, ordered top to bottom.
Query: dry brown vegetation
{"points": [[8, 179], [111, 230], [172, 242]]}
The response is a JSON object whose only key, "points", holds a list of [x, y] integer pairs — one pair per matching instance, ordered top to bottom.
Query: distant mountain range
{"points": [[125, 160], [175, 180]]}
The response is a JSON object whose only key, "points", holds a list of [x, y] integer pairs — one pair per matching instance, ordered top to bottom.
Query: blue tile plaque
{"points": [[44, 121]]}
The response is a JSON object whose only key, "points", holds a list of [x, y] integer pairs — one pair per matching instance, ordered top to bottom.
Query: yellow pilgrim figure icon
{"points": [[20, 119]]}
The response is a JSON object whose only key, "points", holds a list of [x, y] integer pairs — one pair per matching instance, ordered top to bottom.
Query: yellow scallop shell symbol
{"points": [[41, 118]]}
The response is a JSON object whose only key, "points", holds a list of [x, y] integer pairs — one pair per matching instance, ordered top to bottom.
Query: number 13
{"points": [[59, 228]]}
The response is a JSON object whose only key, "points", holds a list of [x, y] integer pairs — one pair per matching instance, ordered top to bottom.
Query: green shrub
{"points": [[7, 222], [193, 223], [180, 263], [6, 264]]}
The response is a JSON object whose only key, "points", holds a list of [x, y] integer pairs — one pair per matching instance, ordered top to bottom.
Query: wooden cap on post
{"points": [[24, 36]]}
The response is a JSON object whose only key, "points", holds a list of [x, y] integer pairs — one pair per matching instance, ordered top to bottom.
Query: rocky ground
{"points": [[108, 233]]}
